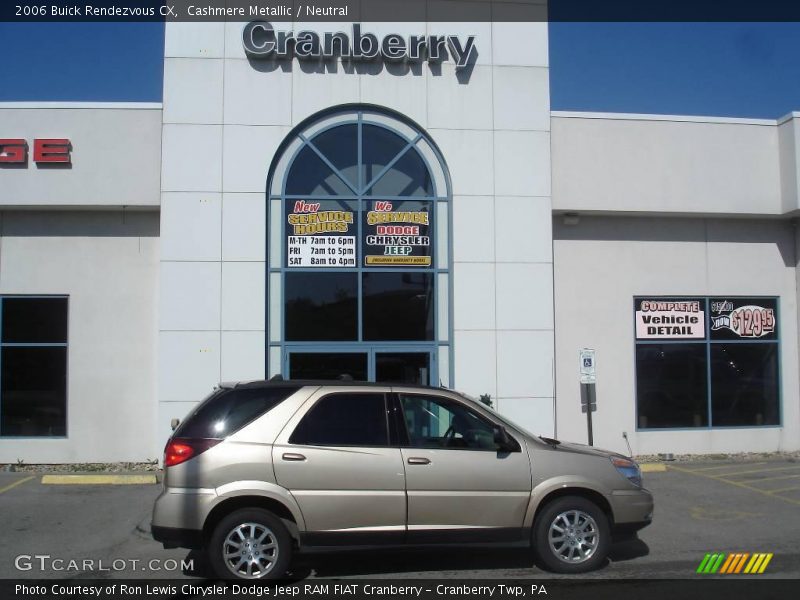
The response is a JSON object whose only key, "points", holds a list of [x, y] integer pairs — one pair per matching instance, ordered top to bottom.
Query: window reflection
{"points": [[321, 306], [398, 306]]}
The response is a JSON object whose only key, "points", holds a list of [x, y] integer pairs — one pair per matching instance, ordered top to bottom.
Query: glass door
{"points": [[329, 365], [383, 365], [403, 367]]}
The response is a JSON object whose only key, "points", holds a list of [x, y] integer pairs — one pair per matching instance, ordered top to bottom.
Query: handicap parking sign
{"points": [[588, 367]]}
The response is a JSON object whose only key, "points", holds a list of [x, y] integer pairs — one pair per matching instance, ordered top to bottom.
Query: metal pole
{"points": [[588, 400]]}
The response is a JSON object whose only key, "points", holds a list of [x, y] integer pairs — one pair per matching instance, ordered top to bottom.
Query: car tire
{"points": [[571, 535], [251, 544]]}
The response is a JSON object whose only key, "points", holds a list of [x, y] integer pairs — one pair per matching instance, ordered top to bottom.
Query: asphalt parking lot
{"points": [[700, 508]]}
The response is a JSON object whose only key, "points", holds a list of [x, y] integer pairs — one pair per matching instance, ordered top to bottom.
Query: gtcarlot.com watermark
{"points": [[46, 562]]}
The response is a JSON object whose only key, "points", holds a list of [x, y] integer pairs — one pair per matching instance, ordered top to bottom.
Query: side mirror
{"points": [[174, 423], [503, 440]]}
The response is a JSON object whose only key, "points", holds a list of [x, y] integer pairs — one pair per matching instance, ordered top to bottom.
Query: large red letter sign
{"points": [[51, 150], [13, 151]]}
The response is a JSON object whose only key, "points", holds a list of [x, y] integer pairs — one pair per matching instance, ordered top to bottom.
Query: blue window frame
{"points": [[359, 254], [707, 362], [33, 366]]}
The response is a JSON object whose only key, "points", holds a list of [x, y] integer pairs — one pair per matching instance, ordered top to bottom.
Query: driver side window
{"points": [[441, 423]]}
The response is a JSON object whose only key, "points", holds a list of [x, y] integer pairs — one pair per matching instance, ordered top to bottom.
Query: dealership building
{"points": [[393, 202]]}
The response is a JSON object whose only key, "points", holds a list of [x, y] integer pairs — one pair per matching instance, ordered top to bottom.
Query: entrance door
{"points": [[329, 365], [413, 366], [403, 367]]}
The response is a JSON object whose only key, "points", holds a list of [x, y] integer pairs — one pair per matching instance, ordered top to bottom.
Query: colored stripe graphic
{"points": [[767, 558], [741, 562], [703, 563], [714, 563], [734, 563], [727, 565], [715, 566]]}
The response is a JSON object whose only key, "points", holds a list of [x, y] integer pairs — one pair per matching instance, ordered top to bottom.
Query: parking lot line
{"points": [[724, 467], [794, 467], [771, 478], [98, 479], [16, 483], [736, 483], [781, 490]]}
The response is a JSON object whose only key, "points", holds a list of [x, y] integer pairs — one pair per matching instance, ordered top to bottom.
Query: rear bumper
{"points": [[172, 537]]}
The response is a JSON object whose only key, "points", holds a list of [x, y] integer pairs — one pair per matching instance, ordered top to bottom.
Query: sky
{"points": [[714, 69]]}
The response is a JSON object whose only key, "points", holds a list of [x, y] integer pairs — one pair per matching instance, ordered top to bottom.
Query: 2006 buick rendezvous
{"points": [[262, 469]]}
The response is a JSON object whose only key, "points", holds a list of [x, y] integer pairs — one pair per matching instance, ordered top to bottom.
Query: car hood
{"points": [[581, 449]]}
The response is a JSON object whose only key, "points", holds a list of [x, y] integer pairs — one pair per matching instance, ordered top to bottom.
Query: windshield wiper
{"points": [[549, 441]]}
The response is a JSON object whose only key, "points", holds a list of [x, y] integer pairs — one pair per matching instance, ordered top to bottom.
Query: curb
{"points": [[652, 467], [99, 479]]}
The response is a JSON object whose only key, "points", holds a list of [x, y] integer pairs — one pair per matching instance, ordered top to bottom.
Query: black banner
{"points": [[287, 11], [408, 589]]}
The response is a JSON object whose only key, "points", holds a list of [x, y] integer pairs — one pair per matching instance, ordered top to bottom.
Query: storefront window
{"points": [[356, 198], [321, 306], [398, 306], [706, 362], [33, 366]]}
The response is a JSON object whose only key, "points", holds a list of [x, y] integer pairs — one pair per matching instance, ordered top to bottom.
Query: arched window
{"points": [[359, 251]]}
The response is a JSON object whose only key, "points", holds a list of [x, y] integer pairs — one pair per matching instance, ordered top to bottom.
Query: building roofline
{"points": [[83, 105], [675, 118]]}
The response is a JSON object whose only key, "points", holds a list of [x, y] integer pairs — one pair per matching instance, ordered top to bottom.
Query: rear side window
{"points": [[226, 411], [344, 420]]}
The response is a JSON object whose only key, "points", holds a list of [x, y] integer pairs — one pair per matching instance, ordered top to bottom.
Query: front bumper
{"points": [[633, 510]]}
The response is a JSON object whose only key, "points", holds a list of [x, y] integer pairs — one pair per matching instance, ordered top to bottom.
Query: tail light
{"points": [[180, 450]]}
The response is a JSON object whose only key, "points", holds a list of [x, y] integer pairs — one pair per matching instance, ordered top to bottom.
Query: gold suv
{"points": [[261, 470]]}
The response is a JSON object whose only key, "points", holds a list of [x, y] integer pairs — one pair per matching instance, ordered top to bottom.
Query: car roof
{"points": [[298, 383]]}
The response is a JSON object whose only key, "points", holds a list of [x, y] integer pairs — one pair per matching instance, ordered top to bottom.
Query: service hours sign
{"points": [[320, 234]]}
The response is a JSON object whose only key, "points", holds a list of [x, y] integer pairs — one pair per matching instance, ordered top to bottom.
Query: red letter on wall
{"points": [[51, 150], [13, 151]]}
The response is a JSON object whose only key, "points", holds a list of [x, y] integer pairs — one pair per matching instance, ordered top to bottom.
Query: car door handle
{"points": [[293, 456], [418, 460]]}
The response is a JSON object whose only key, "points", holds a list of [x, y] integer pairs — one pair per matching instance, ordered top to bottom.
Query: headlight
{"points": [[628, 469]]}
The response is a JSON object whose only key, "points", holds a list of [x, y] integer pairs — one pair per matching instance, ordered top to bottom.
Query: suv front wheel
{"points": [[571, 535], [251, 543]]}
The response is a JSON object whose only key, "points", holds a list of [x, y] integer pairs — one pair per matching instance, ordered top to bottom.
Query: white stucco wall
{"points": [[224, 117], [116, 154], [671, 165], [602, 262], [107, 263]]}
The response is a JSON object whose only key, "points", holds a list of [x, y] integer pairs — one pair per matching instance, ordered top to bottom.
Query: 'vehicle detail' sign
{"points": [[260, 40], [670, 318], [731, 318]]}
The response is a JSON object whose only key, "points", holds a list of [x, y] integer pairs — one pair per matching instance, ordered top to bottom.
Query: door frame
{"points": [[431, 349]]}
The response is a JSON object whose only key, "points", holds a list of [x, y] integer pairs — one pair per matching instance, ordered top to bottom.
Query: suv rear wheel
{"points": [[571, 535], [250, 543]]}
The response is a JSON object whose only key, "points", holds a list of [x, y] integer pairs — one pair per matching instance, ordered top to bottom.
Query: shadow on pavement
{"points": [[628, 550], [366, 563]]}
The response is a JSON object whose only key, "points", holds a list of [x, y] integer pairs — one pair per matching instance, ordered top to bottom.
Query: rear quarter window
{"points": [[228, 410]]}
